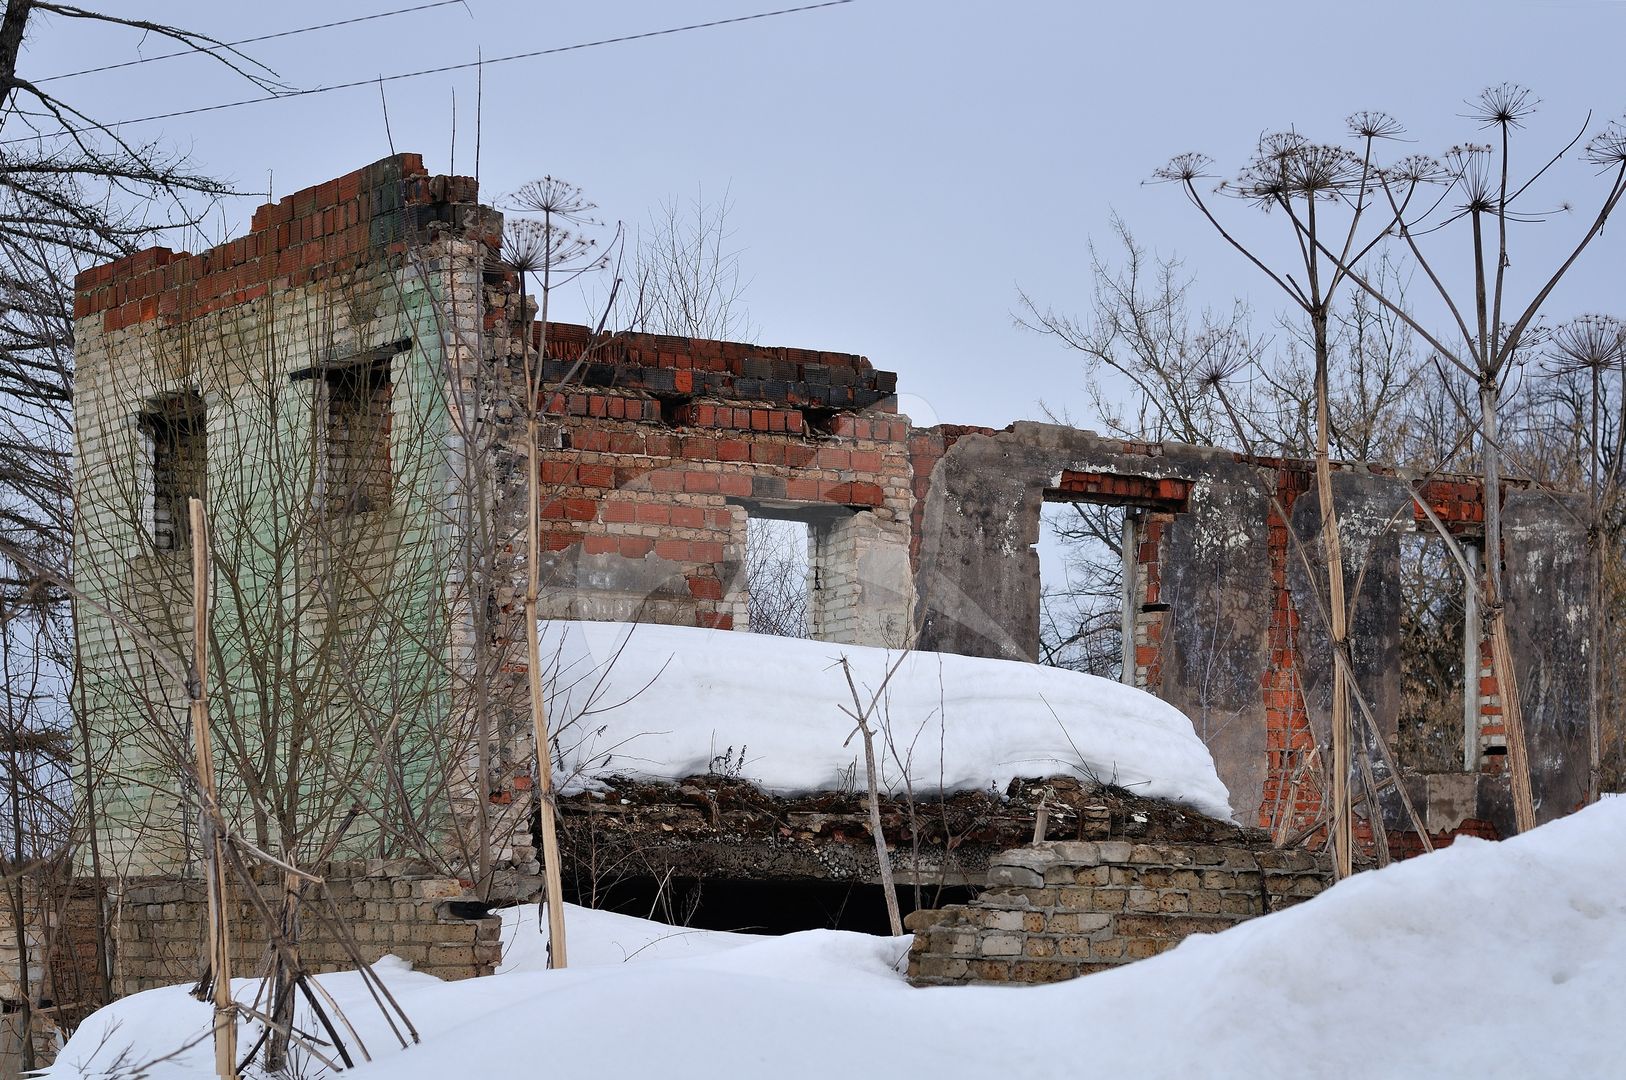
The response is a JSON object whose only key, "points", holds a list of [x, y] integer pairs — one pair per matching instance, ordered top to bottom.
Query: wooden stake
{"points": [[1507, 690], [539, 717], [1342, 835], [219, 949]]}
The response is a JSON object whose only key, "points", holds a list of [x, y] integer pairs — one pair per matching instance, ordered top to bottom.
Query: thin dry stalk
{"points": [[860, 715], [546, 810]]}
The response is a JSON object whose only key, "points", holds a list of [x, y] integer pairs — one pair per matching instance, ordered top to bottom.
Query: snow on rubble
{"points": [[665, 702], [1481, 960]]}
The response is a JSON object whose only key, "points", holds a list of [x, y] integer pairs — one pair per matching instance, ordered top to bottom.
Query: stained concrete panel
{"points": [[1372, 511], [1216, 580], [978, 582], [1545, 582], [977, 585], [978, 592]]}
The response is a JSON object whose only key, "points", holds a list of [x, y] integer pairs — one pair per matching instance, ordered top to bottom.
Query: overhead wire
{"points": [[251, 40], [378, 80]]}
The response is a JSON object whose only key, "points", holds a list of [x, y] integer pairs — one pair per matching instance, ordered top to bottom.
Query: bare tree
{"points": [[73, 193], [684, 277], [1141, 333]]}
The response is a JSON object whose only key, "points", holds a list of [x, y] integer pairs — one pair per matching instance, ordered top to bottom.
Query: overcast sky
{"points": [[897, 169]]}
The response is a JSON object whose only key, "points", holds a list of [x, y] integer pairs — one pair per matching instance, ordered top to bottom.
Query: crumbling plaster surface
{"points": [[1372, 512], [1544, 537], [978, 582], [1217, 582], [978, 593]]}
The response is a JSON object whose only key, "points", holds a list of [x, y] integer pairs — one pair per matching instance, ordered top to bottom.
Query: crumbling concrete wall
{"points": [[1206, 593], [1229, 600], [1547, 619], [1060, 909]]}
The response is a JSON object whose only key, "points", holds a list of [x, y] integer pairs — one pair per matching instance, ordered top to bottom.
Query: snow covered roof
{"points": [[665, 702]]}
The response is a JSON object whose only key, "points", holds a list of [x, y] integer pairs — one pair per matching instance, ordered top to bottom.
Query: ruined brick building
{"points": [[344, 384]]}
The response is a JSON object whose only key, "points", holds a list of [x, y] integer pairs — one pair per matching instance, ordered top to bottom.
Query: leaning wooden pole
{"points": [[1338, 617], [533, 644], [1507, 685], [1507, 692], [219, 943]]}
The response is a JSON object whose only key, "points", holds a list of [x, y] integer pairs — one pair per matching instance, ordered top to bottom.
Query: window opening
{"points": [[178, 436], [359, 477], [781, 578], [1083, 606]]}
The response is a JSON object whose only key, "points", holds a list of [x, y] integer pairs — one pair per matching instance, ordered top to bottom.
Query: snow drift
{"points": [[664, 702], [1481, 960]]}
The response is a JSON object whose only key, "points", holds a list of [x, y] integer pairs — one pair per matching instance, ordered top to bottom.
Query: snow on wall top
{"points": [[665, 702]]}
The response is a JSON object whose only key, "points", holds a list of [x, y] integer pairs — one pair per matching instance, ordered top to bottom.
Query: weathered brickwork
{"points": [[376, 276], [376, 313], [375, 316], [665, 446], [388, 908], [1061, 909], [156, 928], [60, 934]]}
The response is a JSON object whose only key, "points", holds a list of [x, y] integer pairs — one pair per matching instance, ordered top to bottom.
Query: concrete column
{"points": [[864, 588], [1131, 593]]}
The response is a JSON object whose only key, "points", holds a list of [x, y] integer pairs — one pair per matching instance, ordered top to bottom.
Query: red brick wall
{"points": [[322, 231], [670, 437], [1292, 795]]}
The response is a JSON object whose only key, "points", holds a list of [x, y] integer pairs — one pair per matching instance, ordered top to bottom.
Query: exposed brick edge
{"points": [[331, 228]]}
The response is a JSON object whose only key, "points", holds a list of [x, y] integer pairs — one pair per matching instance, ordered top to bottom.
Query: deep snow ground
{"points": [[1482, 960]]}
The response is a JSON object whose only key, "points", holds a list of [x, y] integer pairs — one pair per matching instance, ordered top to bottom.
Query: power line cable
{"points": [[249, 41], [379, 79]]}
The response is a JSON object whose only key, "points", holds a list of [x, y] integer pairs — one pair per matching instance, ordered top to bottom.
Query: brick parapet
{"points": [[344, 225], [699, 370], [1061, 909]]}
